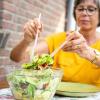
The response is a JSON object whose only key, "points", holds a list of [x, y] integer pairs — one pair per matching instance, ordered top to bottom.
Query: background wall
{"points": [[15, 13]]}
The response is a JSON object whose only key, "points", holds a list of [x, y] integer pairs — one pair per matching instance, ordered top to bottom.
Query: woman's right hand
{"points": [[32, 28]]}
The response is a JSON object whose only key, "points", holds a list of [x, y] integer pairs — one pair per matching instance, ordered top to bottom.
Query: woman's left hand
{"points": [[75, 42]]}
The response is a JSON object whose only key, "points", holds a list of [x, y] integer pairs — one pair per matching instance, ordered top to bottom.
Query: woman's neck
{"points": [[89, 35]]}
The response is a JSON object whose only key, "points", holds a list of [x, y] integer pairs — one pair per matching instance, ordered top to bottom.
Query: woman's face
{"points": [[87, 16]]}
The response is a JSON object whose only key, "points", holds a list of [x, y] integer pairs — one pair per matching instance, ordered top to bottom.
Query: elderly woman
{"points": [[80, 56]]}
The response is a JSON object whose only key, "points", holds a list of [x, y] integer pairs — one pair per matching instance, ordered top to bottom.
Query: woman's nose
{"points": [[85, 12]]}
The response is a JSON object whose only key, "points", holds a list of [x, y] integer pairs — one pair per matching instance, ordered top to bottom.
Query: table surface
{"points": [[5, 94]]}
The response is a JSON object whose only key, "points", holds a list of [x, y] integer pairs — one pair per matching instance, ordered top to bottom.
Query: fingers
{"points": [[37, 23], [36, 27], [31, 28], [73, 35], [75, 42], [72, 48]]}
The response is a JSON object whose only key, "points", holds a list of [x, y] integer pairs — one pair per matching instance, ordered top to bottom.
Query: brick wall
{"points": [[14, 13]]}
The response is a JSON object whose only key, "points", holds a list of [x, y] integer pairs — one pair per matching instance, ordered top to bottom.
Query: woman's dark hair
{"points": [[77, 2]]}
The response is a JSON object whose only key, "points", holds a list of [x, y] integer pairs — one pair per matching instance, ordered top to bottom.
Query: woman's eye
{"points": [[80, 9], [91, 9]]}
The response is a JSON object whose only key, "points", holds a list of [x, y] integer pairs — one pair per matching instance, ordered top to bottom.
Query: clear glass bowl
{"points": [[34, 84]]}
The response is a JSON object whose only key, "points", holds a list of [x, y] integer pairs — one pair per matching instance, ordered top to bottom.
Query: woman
{"points": [[80, 56]]}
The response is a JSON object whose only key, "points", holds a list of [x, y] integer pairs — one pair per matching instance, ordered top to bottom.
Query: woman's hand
{"points": [[32, 28], [75, 42]]}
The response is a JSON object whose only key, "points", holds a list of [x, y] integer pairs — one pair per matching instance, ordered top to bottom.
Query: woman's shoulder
{"points": [[57, 35], [98, 35], [96, 45]]}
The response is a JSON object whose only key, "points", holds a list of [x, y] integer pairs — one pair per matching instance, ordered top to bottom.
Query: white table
{"points": [[5, 94]]}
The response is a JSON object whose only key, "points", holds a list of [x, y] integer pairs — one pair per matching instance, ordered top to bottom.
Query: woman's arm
{"points": [[77, 43], [23, 49], [20, 51], [93, 55]]}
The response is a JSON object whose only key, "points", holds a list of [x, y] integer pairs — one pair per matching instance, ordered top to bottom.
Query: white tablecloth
{"points": [[5, 94]]}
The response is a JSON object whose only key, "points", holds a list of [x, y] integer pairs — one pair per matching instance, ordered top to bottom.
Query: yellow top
{"points": [[75, 68]]}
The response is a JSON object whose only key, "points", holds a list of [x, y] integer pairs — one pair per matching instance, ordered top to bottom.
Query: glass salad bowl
{"points": [[30, 84]]}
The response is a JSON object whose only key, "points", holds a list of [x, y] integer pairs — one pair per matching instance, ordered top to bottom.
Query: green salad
{"points": [[39, 62], [36, 80]]}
